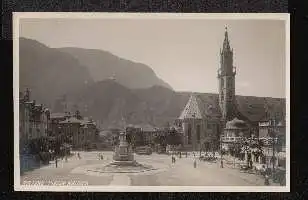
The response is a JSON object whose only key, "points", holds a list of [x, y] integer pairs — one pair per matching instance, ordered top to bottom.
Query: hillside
{"points": [[102, 65], [49, 72]]}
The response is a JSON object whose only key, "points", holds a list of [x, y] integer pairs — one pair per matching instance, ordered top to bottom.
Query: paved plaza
{"points": [[182, 173]]}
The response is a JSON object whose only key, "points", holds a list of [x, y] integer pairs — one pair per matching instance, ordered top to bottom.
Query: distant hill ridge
{"points": [[102, 65]]}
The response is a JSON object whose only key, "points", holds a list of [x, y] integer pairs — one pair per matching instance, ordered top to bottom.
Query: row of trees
{"points": [[169, 137], [46, 148]]}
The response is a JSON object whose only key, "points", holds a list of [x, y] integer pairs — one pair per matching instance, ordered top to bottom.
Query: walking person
{"points": [[56, 162], [195, 163], [250, 163], [221, 164], [266, 180]]}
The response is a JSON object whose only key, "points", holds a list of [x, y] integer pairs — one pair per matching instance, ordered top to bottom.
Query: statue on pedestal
{"points": [[123, 152]]}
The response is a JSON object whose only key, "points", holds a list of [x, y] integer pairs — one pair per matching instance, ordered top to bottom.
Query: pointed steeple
{"points": [[226, 44]]}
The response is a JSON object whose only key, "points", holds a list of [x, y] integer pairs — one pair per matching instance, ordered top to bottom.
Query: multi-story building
{"points": [[55, 118], [33, 119], [80, 131]]}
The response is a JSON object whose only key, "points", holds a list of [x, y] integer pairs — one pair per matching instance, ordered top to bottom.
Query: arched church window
{"points": [[222, 83], [198, 132], [189, 133]]}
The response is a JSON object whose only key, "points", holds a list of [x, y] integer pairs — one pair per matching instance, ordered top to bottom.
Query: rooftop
{"points": [[191, 110]]}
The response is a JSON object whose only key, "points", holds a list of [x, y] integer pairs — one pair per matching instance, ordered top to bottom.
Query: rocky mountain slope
{"points": [[102, 65]]}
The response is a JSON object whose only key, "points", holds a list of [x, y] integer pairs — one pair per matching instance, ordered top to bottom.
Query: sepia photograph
{"points": [[151, 102]]}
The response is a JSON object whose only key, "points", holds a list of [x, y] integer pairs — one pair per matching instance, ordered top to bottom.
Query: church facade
{"points": [[204, 117]]}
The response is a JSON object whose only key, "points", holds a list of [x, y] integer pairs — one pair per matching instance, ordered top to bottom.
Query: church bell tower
{"points": [[226, 78]]}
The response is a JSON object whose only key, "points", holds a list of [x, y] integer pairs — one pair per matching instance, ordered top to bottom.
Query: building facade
{"points": [[205, 116], [34, 119], [80, 131]]}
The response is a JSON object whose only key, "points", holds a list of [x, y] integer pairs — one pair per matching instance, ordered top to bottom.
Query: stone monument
{"points": [[123, 154]]}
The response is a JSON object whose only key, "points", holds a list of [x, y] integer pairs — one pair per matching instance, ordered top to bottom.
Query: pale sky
{"points": [[184, 53]]}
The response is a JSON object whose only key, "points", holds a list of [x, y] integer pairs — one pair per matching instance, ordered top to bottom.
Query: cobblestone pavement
{"points": [[181, 173]]}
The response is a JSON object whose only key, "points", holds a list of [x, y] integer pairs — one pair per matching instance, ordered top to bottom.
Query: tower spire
{"points": [[226, 45]]}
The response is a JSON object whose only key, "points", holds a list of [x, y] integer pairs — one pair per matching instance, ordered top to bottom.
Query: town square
{"points": [[88, 117]]}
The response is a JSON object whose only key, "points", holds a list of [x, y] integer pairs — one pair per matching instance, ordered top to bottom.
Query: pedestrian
{"points": [[180, 154], [102, 157], [250, 162], [56, 163], [221, 164], [263, 170], [266, 180]]}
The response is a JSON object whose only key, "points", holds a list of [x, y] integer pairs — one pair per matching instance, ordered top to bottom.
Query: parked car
{"points": [[143, 150]]}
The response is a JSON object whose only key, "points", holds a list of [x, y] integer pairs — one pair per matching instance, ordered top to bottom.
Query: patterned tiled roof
{"points": [[209, 106], [248, 108], [191, 110]]}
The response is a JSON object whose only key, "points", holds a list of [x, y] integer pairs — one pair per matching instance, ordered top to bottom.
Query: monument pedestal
{"points": [[123, 154]]}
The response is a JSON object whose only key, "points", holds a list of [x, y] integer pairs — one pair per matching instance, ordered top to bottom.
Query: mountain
{"points": [[102, 65], [49, 72], [115, 105]]}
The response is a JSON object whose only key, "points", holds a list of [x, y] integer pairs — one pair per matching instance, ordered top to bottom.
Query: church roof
{"points": [[209, 105], [249, 108], [261, 108], [191, 110]]}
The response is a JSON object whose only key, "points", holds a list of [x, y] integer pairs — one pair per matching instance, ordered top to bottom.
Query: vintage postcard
{"points": [[151, 102]]}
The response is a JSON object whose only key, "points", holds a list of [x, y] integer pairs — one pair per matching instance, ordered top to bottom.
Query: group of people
{"points": [[173, 159]]}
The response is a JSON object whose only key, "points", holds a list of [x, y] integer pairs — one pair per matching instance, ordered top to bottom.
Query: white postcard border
{"points": [[143, 16]]}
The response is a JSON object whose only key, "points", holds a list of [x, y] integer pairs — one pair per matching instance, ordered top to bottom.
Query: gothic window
{"points": [[230, 82], [222, 83], [222, 96], [189, 133], [198, 133]]}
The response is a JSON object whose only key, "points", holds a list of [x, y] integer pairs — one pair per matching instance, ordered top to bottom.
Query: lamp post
{"points": [[221, 161]]}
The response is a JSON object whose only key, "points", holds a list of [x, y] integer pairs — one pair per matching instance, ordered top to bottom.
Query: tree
{"points": [[174, 138]]}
